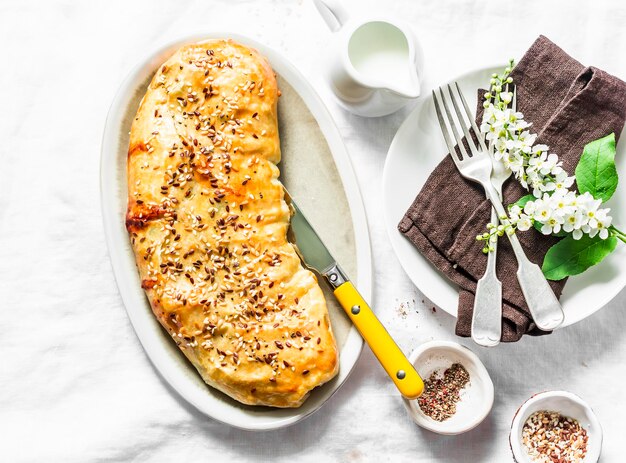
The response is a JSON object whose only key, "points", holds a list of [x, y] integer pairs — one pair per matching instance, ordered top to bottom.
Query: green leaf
{"points": [[596, 172], [522, 201], [571, 257]]}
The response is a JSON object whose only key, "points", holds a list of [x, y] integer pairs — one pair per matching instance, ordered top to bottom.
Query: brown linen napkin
{"points": [[569, 105]]}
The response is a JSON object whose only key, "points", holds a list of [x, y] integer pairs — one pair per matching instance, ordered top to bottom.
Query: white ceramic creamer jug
{"points": [[376, 63]]}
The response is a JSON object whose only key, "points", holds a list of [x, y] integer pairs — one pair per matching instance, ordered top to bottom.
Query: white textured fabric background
{"points": [[75, 384]]}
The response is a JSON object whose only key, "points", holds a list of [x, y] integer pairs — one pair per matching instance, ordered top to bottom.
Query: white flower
{"points": [[521, 124], [527, 140], [541, 161], [514, 162], [549, 164], [557, 170], [562, 180], [548, 186], [561, 202], [588, 202], [589, 206], [530, 207], [514, 212], [542, 212], [573, 222], [601, 222], [524, 223], [552, 225], [604, 233]]}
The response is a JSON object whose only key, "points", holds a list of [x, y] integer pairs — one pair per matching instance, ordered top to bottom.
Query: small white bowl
{"points": [[476, 398], [566, 404]]}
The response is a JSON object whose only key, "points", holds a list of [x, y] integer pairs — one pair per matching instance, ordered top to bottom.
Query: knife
{"points": [[316, 256]]}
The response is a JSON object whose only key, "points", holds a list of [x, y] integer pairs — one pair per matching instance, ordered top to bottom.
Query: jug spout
{"points": [[333, 13], [408, 87], [410, 92]]}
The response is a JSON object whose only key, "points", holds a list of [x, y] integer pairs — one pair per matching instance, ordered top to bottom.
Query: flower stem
{"points": [[617, 233]]}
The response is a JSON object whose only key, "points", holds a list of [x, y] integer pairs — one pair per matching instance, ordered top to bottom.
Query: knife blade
{"points": [[316, 256]]}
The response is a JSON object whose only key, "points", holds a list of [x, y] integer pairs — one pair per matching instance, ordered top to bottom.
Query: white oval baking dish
{"points": [[163, 353]]}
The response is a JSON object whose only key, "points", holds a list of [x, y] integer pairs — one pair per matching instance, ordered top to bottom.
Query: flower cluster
{"points": [[533, 166], [555, 208], [564, 210]]}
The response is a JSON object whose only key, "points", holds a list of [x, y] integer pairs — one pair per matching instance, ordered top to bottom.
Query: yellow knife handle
{"points": [[395, 363]]}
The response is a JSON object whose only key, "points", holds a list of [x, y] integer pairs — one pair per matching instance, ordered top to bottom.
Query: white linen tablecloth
{"points": [[75, 384]]}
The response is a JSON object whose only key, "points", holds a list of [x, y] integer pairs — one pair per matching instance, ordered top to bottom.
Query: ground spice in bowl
{"points": [[443, 392], [550, 437]]}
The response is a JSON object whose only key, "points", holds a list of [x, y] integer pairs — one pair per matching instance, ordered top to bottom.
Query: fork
{"points": [[542, 303], [487, 314]]}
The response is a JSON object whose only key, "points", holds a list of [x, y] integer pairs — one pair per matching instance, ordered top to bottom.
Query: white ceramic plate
{"points": [[416, 150], [163, 353]]}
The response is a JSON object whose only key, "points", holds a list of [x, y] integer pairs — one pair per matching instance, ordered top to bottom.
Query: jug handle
{"points": [[333, 13]]}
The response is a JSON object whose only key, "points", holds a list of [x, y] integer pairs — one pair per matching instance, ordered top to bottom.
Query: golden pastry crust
{"points": [[208, 223]]}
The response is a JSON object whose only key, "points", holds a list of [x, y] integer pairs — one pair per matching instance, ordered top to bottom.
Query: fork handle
{"points": [[542, 303], [487, 313]]}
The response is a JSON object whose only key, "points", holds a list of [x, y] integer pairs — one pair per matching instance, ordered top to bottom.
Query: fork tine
{"points": [[462, 123], [444, 129], [479, 135], [457, 137], [490, 143]]}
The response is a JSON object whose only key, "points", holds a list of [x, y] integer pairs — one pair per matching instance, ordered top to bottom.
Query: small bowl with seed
{"points": [[458, 391], [555, 426]]}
